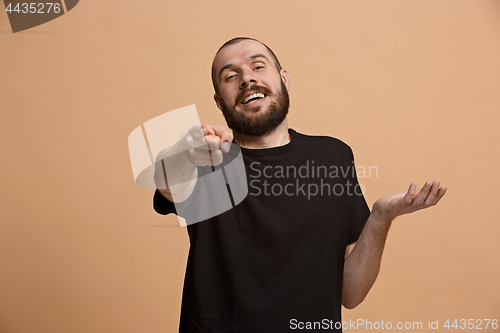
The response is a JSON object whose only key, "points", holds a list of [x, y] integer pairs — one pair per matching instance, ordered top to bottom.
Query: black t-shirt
{"points": [[276, 259]]}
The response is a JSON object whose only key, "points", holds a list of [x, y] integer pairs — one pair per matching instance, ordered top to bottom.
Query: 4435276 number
{"points": [[34, 8], [471, 324]]}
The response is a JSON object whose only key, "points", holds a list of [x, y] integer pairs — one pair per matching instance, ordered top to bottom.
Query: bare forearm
{"points": [[182, 174], [363, 263]]}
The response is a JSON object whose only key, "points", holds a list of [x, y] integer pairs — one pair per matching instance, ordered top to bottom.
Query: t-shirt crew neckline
{"points": [[274, 150]]}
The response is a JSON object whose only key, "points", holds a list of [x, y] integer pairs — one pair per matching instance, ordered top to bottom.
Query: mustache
{"points": [[253, 89]]}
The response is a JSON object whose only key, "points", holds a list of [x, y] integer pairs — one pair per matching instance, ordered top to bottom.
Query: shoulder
{"points": [[320, 141]]}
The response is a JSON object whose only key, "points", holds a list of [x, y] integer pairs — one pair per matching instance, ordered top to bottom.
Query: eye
{"points": [[259, 67], [230, 77]]}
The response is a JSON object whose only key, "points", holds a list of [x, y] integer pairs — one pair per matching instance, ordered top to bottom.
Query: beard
{"points": [[258, 123]]}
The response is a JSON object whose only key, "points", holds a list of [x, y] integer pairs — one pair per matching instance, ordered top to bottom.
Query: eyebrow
{"points": [[252, 57]]}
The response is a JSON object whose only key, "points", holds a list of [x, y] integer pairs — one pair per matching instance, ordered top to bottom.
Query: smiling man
{"points": [[251, 89], [303, 242]]}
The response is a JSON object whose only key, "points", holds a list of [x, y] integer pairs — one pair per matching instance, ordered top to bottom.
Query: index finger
{"points": [[195, 132], [195, 136]]}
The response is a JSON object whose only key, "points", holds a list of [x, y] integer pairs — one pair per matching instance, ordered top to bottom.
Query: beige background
{"points": [[412, 86]]}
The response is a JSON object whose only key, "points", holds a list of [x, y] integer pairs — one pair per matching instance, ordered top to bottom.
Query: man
{"points": [[275, 262]]}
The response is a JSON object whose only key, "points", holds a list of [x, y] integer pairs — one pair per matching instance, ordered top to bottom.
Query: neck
{"points": [[278, 137]]}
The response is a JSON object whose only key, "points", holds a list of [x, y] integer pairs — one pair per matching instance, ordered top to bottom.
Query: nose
{"points": [[247, 79]]}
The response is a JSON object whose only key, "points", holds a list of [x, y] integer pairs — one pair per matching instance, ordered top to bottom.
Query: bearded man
{"points": [[282, 259]]}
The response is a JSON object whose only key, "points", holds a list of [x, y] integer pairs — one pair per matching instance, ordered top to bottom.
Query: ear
{"points": [[286, 79], [218, 100]]}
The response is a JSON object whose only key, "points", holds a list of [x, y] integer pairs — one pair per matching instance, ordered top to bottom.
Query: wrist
{"points": [[382, 218]]}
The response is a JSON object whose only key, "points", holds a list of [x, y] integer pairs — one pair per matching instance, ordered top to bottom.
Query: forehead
{"points": [[239, 52]]}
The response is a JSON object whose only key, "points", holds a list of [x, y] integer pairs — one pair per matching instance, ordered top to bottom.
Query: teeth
{"points": [[261, 95]]}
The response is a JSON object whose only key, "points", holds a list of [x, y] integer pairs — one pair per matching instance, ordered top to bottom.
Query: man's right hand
{"points": [[206, 144], [203, 145]]}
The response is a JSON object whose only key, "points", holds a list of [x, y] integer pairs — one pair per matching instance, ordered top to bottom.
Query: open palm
{"points": [[397, 204]]}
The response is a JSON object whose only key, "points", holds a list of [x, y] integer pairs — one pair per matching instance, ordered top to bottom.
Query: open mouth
{"points": [[253, 98]]}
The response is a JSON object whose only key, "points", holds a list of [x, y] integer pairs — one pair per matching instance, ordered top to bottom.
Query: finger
{"points": [[207, 129], [198, 131], [225, 135], [195, 136], [208, 142], [213, 142], [205, 148], [196, 155], [204, 157], [215, 157], [200, 160], [411, 193], [432, 193], [422, 194], [440, 194]]}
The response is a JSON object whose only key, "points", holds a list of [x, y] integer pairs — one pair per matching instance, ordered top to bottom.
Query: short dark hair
{"points": [[237, 40]]}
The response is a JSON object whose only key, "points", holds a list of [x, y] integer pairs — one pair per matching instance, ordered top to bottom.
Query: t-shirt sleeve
{"points": [[162, 205], [360, 210]]}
